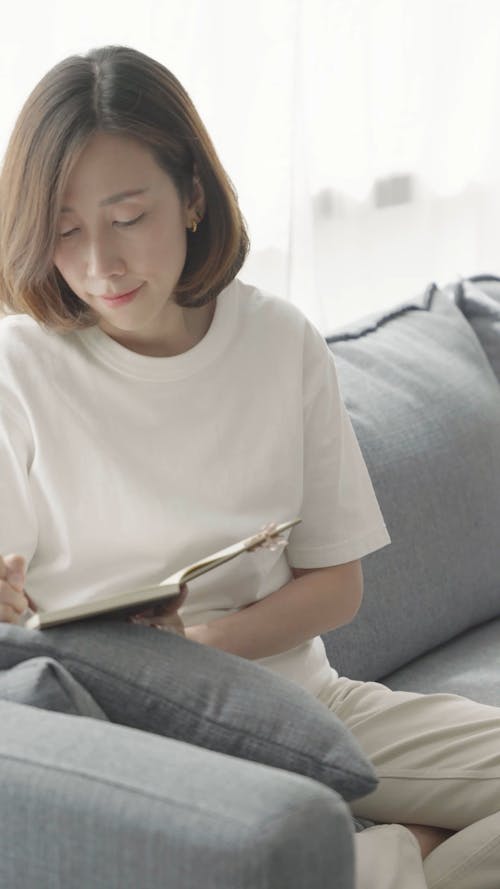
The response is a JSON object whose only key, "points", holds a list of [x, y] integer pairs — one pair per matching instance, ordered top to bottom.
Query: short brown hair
{"points": [[111, 89]]}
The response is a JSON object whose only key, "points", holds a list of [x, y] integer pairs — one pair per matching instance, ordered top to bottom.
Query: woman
{"points": [[153, 406]]}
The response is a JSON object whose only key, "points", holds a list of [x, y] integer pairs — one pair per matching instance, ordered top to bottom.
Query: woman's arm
{"points": [[315, 601]]}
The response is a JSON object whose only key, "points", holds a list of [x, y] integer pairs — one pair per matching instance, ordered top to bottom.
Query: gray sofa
{"points": [[126, 787]]}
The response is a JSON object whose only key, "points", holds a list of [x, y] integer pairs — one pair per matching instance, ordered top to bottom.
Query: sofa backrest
{"points": [[425, 404]]}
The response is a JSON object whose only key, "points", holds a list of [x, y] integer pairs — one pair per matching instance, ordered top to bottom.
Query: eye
{"points": [[131, 221], [68, 234]]}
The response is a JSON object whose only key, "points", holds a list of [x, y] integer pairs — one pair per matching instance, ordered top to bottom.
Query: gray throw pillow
{"points": [[479, 299], [424, 402], [43, 682], [166, 684]]}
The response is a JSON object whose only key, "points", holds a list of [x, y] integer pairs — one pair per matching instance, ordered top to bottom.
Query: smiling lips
{"points": [[120, 295], [120, 299]]}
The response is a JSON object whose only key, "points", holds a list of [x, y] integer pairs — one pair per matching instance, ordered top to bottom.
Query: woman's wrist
{"points": [[197, 633]]}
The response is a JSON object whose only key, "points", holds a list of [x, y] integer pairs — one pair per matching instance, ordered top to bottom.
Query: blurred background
{"points": [[362, 136]]}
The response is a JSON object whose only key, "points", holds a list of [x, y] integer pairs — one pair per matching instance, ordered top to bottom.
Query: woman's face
{"points": [[110, 242]]}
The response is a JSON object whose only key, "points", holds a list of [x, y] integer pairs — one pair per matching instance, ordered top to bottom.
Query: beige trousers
{"points": [[437, 758]]}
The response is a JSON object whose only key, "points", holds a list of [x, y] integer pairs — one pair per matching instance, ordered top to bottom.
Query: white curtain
{"points": [[362, 136]]}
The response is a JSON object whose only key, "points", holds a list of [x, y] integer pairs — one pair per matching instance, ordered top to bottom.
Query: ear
{"points": [[198, 201]]}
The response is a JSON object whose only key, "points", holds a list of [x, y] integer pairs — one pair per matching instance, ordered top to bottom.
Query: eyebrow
{"points": [[113, 199]]}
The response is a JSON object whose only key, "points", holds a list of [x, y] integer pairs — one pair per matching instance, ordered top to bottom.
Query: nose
{"points": [[104, 260]]}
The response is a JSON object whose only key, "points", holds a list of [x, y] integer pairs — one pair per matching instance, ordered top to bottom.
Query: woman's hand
{"points": [[14, 599], [164, 617]]}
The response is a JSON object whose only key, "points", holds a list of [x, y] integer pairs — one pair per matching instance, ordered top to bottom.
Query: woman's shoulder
{"points": [[269, 306], [13, 322], [19, 328], [16, 331], [21, 334], [24, 343]]}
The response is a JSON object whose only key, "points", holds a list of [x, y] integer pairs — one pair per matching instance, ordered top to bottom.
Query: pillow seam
{"points": [[427, 300]]}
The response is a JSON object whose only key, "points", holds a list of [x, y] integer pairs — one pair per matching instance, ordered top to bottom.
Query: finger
{"points": [[8, 564], [15, 569], [15, 579], [12, 598], [31, 604], [174, 604], [163, 609], [148, 613], [8, 614], [138, 619], [152, 622], [171, 625]]}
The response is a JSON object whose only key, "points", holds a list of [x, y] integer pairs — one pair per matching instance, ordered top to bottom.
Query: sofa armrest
{"points": [[89, 803]]}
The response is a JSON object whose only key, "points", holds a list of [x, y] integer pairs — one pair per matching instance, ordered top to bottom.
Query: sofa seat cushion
{"points": [[425, 405], [468, 665], [166, 684]]}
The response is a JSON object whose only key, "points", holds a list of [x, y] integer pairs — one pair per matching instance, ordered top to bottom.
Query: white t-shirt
{"points": [[117, 469]]}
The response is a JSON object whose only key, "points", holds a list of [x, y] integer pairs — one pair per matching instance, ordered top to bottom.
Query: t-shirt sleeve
{"points": [[341, 517], [18, 522]]}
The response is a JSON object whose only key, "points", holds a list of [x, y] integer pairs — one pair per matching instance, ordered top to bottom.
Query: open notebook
{"points": [[130, 602]]}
